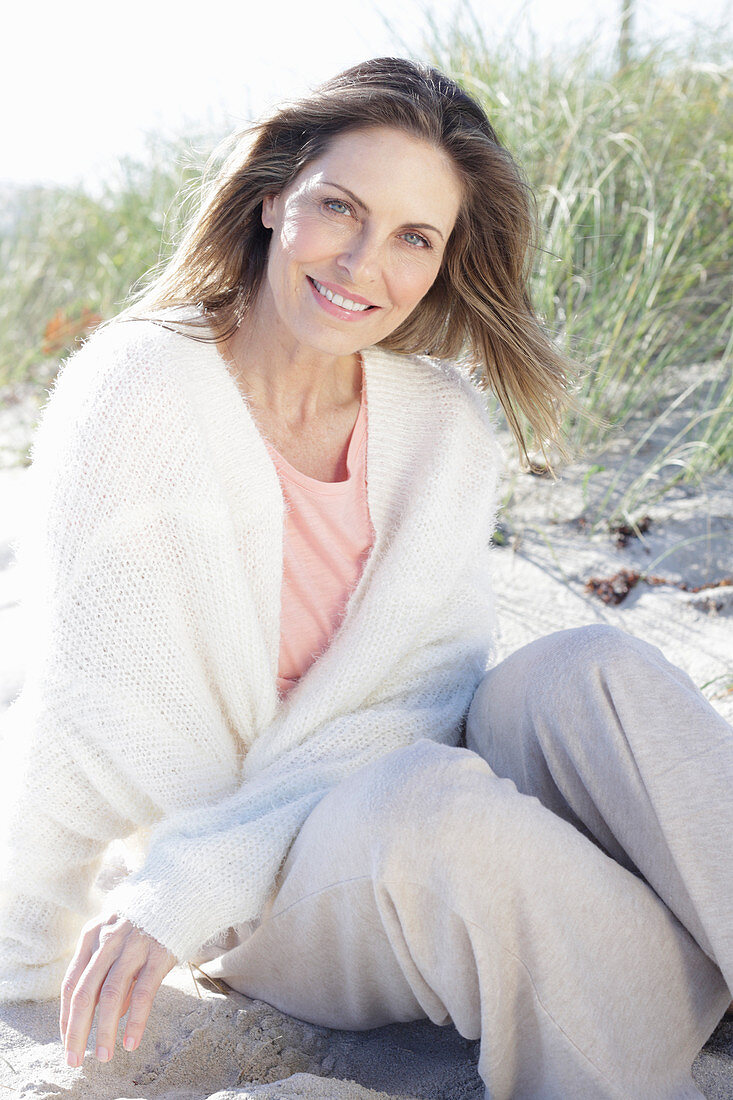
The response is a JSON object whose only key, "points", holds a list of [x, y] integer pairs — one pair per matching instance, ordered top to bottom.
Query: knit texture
{"points": [[152, 569]]}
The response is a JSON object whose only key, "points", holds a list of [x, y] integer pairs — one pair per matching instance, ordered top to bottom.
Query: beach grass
{"points": [[632, 173], [70, 255]]}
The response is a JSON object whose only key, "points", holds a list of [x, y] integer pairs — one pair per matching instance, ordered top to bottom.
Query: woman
{"points": [[262, 612]]}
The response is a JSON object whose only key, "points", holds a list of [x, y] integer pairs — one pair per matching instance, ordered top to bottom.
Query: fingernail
{"points": [[129, 1043], [102, 1054], [72, 1059]]}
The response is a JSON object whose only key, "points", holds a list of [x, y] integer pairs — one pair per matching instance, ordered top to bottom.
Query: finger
{"points": [[91, 937], [86, 947], [85, 996], [114, 997], [128, 998], [141, 1002], [81, 1011]]}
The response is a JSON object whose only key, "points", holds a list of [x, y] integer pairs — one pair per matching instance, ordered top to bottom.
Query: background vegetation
{"points": [[632, 167], [633, 172], [68, 257]]}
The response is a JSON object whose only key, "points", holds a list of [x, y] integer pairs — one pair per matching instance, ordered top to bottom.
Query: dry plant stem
{"points": [[633, 492], [538, 531], [616, 588], [195, 983], [217, 984]]}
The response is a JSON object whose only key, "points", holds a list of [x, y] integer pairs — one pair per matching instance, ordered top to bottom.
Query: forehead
{"points": [[389, 170]]}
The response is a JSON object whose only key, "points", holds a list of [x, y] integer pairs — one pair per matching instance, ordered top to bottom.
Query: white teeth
{"points": [[345, 303]]}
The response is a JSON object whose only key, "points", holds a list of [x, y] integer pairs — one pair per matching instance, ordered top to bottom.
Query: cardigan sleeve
{"points": [[117, 724]]}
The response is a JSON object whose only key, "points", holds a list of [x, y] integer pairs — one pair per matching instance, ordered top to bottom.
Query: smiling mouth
{"points": [[339, 299]]}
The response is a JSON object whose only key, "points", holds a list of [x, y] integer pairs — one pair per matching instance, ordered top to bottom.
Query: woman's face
{"points": [[368, 220]]}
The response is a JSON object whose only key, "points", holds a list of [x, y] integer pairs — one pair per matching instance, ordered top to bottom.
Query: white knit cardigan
{"points": [[153, 569]]}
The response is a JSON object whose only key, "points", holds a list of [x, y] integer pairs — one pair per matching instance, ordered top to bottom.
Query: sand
{"points": [[204, 1043]]}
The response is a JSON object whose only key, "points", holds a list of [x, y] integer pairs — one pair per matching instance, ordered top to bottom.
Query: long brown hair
{"points": [[478, 309]]}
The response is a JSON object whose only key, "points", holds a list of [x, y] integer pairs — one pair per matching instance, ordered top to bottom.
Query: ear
{"points": [[268, 211]]}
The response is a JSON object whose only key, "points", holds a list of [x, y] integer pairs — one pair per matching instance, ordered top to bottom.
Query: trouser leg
{"points": [[607, 733], [426, 886]]}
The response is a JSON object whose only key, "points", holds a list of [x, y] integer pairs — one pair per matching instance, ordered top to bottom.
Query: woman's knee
{"points": [[597, 646], [596, 662], [558, 663], [541, 685]]}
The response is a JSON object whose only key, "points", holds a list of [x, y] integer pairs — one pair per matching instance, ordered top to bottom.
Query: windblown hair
{"points": [[478, 309]]}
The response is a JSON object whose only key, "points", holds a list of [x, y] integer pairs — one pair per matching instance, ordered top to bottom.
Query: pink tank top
{"points": [[326, 540]]}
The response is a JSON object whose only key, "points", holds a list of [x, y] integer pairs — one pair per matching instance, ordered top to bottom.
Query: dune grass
{"points": [[632, 171], [633, 175], [68, 257]]}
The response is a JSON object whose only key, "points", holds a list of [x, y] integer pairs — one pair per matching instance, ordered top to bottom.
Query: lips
{"points": [[340, 297]]}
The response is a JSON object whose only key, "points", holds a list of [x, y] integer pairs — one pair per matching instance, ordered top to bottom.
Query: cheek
{"points": [[303, 237], [413, 282]]}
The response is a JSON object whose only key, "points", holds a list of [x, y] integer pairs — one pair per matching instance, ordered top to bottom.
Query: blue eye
{"points": [[337, 202], [423, 242]]}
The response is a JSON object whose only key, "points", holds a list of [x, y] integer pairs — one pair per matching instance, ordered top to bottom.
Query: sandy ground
{"points": [[202, 1042]]}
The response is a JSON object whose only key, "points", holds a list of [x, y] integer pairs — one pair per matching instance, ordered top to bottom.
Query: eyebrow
{"points": [[365, 208]]}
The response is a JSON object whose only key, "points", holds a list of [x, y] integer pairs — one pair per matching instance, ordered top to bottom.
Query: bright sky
{"points": [[82, 81]]}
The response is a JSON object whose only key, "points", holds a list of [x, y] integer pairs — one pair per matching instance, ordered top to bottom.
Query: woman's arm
{"points": [[118, 722]]}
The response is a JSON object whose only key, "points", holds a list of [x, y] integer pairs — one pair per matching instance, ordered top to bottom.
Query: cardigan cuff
{"points": [[193, 887], [147, 906]]}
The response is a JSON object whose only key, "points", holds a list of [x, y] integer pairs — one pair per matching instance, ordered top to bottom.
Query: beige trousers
{"points": [[426, 885]]}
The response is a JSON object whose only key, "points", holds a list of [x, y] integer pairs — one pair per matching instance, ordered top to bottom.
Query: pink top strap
{"points": [[326, 540]]}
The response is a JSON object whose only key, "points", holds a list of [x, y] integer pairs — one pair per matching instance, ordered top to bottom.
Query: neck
{"points": [[287, 378]]}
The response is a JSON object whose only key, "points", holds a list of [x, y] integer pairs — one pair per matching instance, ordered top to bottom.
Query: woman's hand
{"points": [[120, 967]]}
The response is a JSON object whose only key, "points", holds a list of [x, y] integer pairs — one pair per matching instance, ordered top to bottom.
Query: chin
{"points": [[340, 343]]}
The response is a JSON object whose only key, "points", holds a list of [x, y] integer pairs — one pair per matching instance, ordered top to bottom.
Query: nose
{"points": [[360, 259]]}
